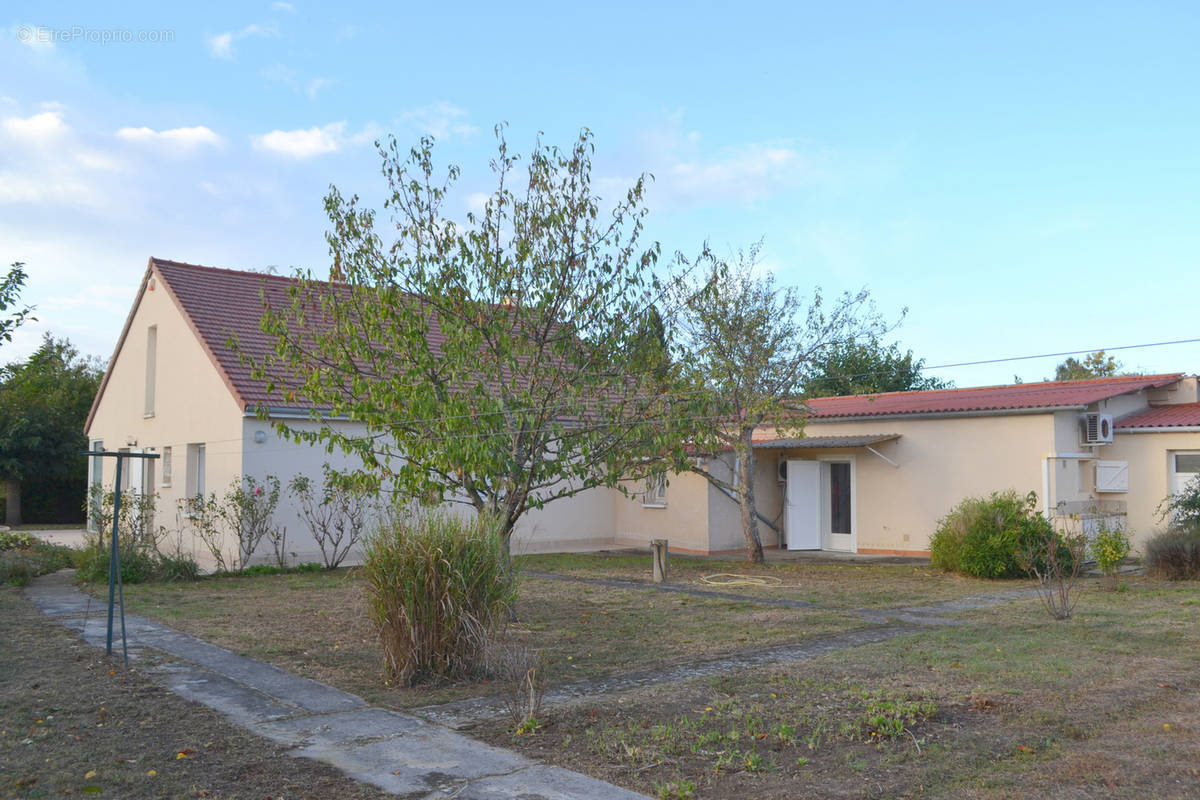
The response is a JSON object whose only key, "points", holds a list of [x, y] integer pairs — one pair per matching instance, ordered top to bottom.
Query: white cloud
{"points": [[281, 6], [34, 37], [220, 45], [316, 85], [440, 120], [39, 129], [174, 140], [303, 143], [687, 174]]}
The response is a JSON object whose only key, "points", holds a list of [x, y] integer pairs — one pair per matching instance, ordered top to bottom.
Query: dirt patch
{"points": [[73, 722]]}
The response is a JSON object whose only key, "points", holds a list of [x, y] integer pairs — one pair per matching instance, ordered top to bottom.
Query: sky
{"points": [[1021, 177]]}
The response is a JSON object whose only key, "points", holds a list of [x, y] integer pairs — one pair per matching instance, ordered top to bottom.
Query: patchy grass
{"points": [[833, 584], [316, 625], [1011, 703], [73, 723]]}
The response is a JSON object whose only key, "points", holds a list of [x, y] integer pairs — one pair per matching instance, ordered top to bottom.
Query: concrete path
{"points": [[397, 752]]}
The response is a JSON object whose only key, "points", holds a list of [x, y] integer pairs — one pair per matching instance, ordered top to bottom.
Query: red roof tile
{"points": [[1051, 394], [1181, 415]]}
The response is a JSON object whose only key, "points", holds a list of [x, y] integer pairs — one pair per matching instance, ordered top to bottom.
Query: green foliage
{"points": [[10, 291], [475, 352], [1094, 365], [867, 367], [43, 404], [1182, 508], [246, 511], [986, 537], [16, 540], [1110, 547], [1174, 554], [142, 556], [24, 557], [438, 588], [888, 717], [679, 789]]}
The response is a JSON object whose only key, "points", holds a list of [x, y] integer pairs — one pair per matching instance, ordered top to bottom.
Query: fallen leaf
{"points": [[151, 772], [91, 773]]}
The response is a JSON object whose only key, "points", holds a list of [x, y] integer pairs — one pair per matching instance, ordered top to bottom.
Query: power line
{"points": [[1058, 355]]}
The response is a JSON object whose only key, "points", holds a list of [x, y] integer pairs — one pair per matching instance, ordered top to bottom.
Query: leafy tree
{"points": [[10, 290], [750, 347], [494, 363], [1093, 365], [867, 367], [43, 405]]}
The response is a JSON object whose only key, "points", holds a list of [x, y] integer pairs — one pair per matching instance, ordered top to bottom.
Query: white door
{"points": [[837, 504], [802, 519]]}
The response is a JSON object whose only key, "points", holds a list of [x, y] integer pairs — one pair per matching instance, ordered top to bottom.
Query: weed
{"points": [[680, 789]]}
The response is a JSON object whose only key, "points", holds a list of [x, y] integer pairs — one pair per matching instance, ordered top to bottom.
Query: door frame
{"points": [[826, 501]]}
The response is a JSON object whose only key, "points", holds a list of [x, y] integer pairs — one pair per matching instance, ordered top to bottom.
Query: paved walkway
{"points": [[397, 752]]}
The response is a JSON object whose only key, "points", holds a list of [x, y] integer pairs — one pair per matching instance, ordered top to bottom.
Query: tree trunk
{"points": [[12, 510], [754, 550]]}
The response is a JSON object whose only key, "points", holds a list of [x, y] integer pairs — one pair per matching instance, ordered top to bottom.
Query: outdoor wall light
{"points": [[260, 437]]}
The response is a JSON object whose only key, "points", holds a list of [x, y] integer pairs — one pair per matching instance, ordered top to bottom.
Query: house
{"points": [[871, 474]]}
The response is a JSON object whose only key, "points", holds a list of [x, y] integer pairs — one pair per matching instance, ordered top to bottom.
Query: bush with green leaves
{"points": [[1183, 507], [335, 511], [987, 536], [1110, 546], [1174, 554], [23, 557], [439, 589]]}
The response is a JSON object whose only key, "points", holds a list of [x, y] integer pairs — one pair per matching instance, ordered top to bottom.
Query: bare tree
{"points": [[748, 347]]}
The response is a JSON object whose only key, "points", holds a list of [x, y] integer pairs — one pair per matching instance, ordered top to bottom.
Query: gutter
{"points": [[995, 412], [295, 413], [1162, 429]]}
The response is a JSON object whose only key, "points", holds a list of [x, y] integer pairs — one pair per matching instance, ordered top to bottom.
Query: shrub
{"points": [[1183, 508], [335, 513], [987, 536], [1110, 547], [1174, 554], [24, 557], [138, 563], [438, 589]]}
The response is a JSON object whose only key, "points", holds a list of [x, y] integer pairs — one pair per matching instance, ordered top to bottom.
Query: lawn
{"points": [[833, 584], [315, 625], [1006, 703], [1010, 703], [74, 723]]}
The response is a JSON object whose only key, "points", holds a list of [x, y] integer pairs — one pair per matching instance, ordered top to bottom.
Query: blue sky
{"points": [[1022, 177]]}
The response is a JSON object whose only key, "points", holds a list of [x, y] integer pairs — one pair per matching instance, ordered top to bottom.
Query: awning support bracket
{"points": [[881, 455]]}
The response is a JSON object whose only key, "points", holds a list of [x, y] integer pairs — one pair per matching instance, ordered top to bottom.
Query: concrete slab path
{"points": [[397, 752]]}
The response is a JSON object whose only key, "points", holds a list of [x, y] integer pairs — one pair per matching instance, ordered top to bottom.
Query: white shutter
{"points": [[1112, 476]]}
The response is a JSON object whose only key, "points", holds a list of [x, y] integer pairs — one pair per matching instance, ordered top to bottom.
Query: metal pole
{"points": [[114, 557]]}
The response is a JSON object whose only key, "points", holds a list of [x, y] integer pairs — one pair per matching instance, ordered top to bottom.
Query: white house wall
{"points": [[192, 405]]}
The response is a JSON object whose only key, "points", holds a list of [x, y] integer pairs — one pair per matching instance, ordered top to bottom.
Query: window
{"points": [[151, 361], [1187, 462], [166, 466], [124, 469], [195, 471], [95, 482], [655, 495], [839, 497]]}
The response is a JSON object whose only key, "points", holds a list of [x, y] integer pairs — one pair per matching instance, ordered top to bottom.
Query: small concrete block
{"points": [[243, 705], [346, 727], [423, 760], [545, 783]]}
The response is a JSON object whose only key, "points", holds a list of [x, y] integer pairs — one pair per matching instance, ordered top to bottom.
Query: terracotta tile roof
{"points": [[224, 303], [1051, 394], [1181, 415]]}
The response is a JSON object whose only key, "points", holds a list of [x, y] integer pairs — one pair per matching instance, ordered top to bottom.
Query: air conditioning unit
{"points": [[1097, 428], [782, 470]]}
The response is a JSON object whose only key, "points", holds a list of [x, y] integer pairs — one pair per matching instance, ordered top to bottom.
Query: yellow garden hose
{"points": [[731, 579]]}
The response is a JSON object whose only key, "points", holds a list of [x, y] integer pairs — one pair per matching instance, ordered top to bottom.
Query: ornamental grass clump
{"points": [[438, 589]]}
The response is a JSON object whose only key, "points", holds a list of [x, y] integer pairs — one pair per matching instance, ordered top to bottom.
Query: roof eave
{"points": [[991, 412]]}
